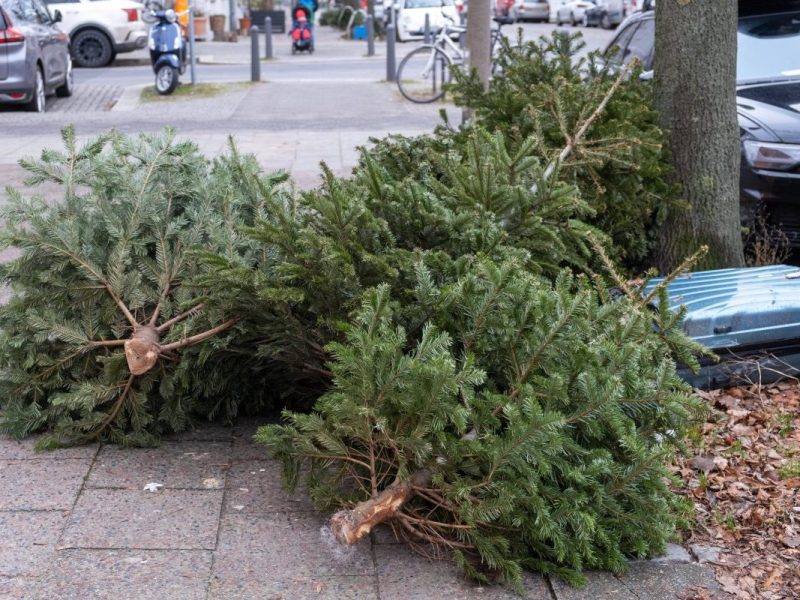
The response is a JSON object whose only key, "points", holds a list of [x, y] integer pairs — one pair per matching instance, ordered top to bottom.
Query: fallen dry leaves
{"points": [[743, 474]]}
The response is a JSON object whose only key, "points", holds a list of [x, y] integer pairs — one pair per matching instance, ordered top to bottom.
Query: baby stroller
{"points": [[302, 31]]}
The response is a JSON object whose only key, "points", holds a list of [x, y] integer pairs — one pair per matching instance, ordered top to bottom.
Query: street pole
{"points": [[232, 10], [370, 35], [427, 37], [268, 38], [191, 46], [255, 58], [391, 68]]}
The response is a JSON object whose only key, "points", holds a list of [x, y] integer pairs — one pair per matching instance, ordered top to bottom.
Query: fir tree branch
{"points": [[572, 143], [176, 319], [195, 339], [106, 343], [114, 410]]}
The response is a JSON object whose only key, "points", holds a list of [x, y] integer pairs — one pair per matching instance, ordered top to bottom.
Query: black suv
{"points": [[767, 99]]}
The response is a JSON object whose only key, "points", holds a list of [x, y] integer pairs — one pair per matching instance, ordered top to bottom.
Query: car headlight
{"points": [[771, 156]]}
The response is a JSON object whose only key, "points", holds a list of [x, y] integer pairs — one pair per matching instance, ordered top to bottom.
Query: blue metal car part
{"points": [[749, 317]]}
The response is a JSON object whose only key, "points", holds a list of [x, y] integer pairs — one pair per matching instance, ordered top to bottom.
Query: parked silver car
{"points": [[531, 10], [34, 54]]}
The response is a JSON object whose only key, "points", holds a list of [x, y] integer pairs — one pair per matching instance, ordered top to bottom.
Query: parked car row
{"points": [[589, 13], [767, 100]]}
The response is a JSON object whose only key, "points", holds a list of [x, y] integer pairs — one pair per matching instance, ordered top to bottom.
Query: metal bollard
{"points": [[427, 28], [370, 35], [268, 38], [462, 39], [255, 57], [192, 59], [391, 68]]}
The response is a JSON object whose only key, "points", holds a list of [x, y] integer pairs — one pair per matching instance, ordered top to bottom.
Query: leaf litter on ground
{"points": [[742, 471]]}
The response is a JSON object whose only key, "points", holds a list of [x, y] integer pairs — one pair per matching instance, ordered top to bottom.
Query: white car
{"points": [[572, 12], [411, 17], [99, 29]]}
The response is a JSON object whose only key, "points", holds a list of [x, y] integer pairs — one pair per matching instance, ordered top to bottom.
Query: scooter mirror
{"points": [[170, 15]]}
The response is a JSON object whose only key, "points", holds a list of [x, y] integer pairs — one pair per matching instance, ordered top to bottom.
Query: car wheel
{"points": [[91, 48], [166, 80], [65, 90], [37, 103]]}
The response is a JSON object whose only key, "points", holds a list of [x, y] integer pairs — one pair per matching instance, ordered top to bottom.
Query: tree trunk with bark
{"points": [[479, 21], [695, 94]]}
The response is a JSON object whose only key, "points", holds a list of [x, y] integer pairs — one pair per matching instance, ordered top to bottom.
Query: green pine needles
{"points": [[98, 337], [454, 364], [527, 425]]}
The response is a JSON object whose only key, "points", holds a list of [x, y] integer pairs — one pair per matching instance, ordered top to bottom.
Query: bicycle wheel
{"points": [[422, 73]]}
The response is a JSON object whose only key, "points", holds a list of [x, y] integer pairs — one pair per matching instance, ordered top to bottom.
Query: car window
{"points": [[22, 10], [42, 12], [621, 41], [642, 42], [768, 47]]}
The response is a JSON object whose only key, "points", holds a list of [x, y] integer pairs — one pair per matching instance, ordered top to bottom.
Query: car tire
{"points": [[92, 49], [65, 89], [38, 102]]}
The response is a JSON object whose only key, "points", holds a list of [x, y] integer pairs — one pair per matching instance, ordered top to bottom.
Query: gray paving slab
{"points": [[202, 432], [244, 448], [11, 449], [188, 465], [41, 484], [254, 487], [169, 519], [29, 540], [285, 544], [127, 575], [405, 575], [649, 580], [598, 585], [286, 586], [19, 588]]}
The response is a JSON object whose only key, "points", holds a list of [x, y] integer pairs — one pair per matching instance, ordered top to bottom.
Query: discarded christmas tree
{"points": [[95, 336], [481, 403], [526, 426]]}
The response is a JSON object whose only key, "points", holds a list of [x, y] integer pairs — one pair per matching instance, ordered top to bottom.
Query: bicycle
{"points": [[424, 71]]}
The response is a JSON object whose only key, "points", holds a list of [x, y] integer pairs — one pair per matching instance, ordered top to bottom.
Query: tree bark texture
{"points": [[479, 21], [695, 94], [349, 526]]}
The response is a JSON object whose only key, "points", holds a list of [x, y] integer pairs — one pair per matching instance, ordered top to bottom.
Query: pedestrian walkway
{"points": [[281, 123], [82, 523]]}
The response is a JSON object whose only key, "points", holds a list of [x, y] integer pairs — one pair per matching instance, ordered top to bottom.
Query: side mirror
{"points": [[57, 18]]}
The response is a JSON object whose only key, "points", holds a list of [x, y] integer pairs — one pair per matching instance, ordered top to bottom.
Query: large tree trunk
{"points": [[479, 21], [695, 93]]}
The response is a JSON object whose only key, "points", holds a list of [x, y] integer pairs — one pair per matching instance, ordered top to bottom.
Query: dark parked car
{"points": [[606, 14], [34, 54], [767, 99]]}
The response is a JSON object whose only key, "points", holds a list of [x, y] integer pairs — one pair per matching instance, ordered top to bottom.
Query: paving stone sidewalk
{"points": [[78, 524]]}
